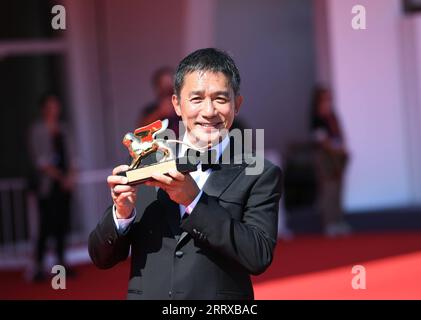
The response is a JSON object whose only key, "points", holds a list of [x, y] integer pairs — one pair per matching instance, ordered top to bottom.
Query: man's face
{"points": [[207, 105]]}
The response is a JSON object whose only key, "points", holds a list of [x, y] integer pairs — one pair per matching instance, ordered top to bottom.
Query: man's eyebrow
{"points": [[196, 93], [221, 93], [214, 94]]}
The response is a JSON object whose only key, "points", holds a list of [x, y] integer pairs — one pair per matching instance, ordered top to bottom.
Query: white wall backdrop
{"points": [[366, 74]]}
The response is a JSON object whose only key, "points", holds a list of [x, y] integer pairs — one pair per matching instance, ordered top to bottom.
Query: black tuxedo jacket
{"points": [[230, 234]]}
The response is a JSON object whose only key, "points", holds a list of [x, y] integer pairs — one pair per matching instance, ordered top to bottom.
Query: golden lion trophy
{"points": [[143, 144]]}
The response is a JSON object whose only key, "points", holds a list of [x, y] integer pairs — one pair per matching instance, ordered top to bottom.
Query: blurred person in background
{"points": [[162, 108], [50, 149], [330, 161]]}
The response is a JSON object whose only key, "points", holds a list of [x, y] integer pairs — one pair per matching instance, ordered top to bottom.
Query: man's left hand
{"points": [[180, 187]]}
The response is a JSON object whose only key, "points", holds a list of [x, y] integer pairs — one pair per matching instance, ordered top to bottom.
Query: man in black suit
{"points": [[199, 235]]}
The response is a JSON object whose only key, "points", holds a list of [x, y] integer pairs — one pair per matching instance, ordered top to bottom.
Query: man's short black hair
{"points": [[209, 59]]}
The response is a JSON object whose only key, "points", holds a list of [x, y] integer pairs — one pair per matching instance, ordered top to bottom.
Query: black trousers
{"points": [[54, 221]]}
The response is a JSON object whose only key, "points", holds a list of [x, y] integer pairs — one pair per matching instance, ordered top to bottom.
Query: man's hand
{"points": [[180, 187], [124, 196]]}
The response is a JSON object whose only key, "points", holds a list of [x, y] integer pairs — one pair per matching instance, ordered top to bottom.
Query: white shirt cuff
{"points": [[123, 224]]}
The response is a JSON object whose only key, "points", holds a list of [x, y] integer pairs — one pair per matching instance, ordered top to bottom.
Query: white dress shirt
{"points": [[199, 176]]}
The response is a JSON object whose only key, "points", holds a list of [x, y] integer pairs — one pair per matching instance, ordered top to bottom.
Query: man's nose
{"points": [[208, 108]]}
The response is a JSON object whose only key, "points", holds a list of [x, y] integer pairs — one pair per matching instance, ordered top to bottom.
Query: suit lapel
{"points": [[220, 178], [218, 181], [172, 212], [172, 215]]}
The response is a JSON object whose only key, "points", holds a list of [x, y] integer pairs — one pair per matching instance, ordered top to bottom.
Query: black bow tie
{"points": [[206, 158], [213, 166]]}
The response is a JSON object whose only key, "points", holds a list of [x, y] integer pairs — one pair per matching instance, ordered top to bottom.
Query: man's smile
{"points": [[210, 126]]}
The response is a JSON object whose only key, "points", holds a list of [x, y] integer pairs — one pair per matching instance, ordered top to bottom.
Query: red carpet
{"points": [[309, 267]]}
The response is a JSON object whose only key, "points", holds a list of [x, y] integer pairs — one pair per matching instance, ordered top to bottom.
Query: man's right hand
{"points": [[123, 195]]}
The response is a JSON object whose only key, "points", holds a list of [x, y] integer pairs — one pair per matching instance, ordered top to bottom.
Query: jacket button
{"points": [[110, 241], [179, 254], [170, 294]]}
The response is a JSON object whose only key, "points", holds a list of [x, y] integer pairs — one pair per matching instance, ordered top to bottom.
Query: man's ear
{"points": [[238, 102], [176, 104]]}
